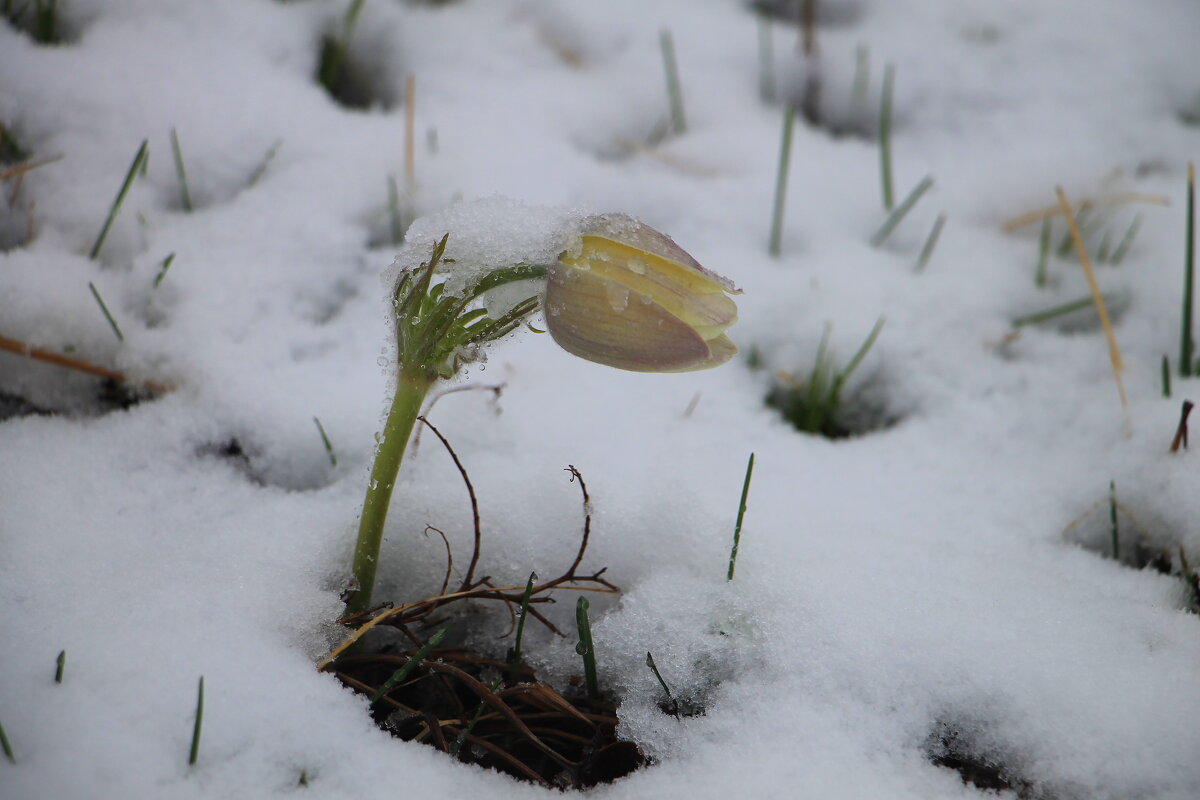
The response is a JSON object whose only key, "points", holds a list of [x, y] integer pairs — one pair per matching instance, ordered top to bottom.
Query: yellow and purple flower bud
{"points": [[629, 297]]}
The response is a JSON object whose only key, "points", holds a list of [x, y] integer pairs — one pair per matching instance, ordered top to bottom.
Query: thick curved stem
{"points": [[406, 405]]}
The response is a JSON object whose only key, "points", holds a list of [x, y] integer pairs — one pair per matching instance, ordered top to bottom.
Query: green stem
{"points": [[406, 404]]}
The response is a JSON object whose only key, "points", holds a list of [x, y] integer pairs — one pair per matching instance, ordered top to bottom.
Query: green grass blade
{"points": [[333, 55], [766, 60], [862, 76], [674, 90], [885, 136], [139, 161], [266, 162], [781, 177], [185, 197], [901, 211], [1127, 240], [931, 241], [1068, 244], [162, 270], [1039, 277], [1057, 311], [107, 315], [1186, 344], [844, 375], [1166, 376], [328, 444], [1112, 520], [737, 537], [586, 648], [516, 651], [60, 666], [400, 675], [670, 697], [6, 746], [194, 753]]}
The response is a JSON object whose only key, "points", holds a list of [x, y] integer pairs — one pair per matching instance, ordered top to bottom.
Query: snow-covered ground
{"points": [[942, 576]]}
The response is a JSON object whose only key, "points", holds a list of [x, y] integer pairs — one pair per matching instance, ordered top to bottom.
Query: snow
{"points": [[944, 571]]}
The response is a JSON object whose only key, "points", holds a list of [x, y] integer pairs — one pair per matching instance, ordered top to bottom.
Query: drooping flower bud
{"points": [[633, 299]]}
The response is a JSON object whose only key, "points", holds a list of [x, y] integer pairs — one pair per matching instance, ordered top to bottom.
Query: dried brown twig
{"points": [[50, 357], [520, 725]]}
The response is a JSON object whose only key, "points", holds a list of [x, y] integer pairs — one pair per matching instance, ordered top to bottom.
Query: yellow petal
{"points": [[693, 295], [600, 320]]}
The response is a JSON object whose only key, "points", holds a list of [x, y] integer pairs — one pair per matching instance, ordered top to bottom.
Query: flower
{"points": [[629, 297]]}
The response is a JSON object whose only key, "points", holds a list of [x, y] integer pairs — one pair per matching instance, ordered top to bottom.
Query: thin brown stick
{"points": [[19, 170], [1114, 352], [38, 354], [495, 389], [1181, 433], [587, 518], [449, 557], [470, 576], [492, 699], [516, 763]]}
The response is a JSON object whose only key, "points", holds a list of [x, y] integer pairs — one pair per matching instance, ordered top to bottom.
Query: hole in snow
{"points": [[828, 14], [355, 64], [30, 387], [824, 399], [1139, 539], [436, 671], [953, 746]]}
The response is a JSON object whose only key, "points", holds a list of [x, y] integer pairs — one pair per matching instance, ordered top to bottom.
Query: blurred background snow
{"points": [[918, 583]]}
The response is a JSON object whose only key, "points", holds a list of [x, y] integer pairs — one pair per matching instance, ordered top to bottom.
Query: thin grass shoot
{"points": [[336, 47], [766, 60], [862, 76], [674, 89], [885, 136], [138, 165], [261, 169], [781, 178], [185, 196], [901, 211], [1081, 219], [1127, 240], [931, 241], [1103, 252], [162, 269], [1039, 275], [1054, 312], [116, 329], [1186, 344], [1166, 376], [812, 406], [328, 444], [737, 528], [1114, 533], [586, 648], [515, 658], [60, 666], [400, 675], [672, 703], [6, 746], [194, 752]]}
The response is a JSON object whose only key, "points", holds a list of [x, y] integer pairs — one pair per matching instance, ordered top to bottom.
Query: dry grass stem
{"points": [[1048, 212], [1114, 352], [38, 354]]}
